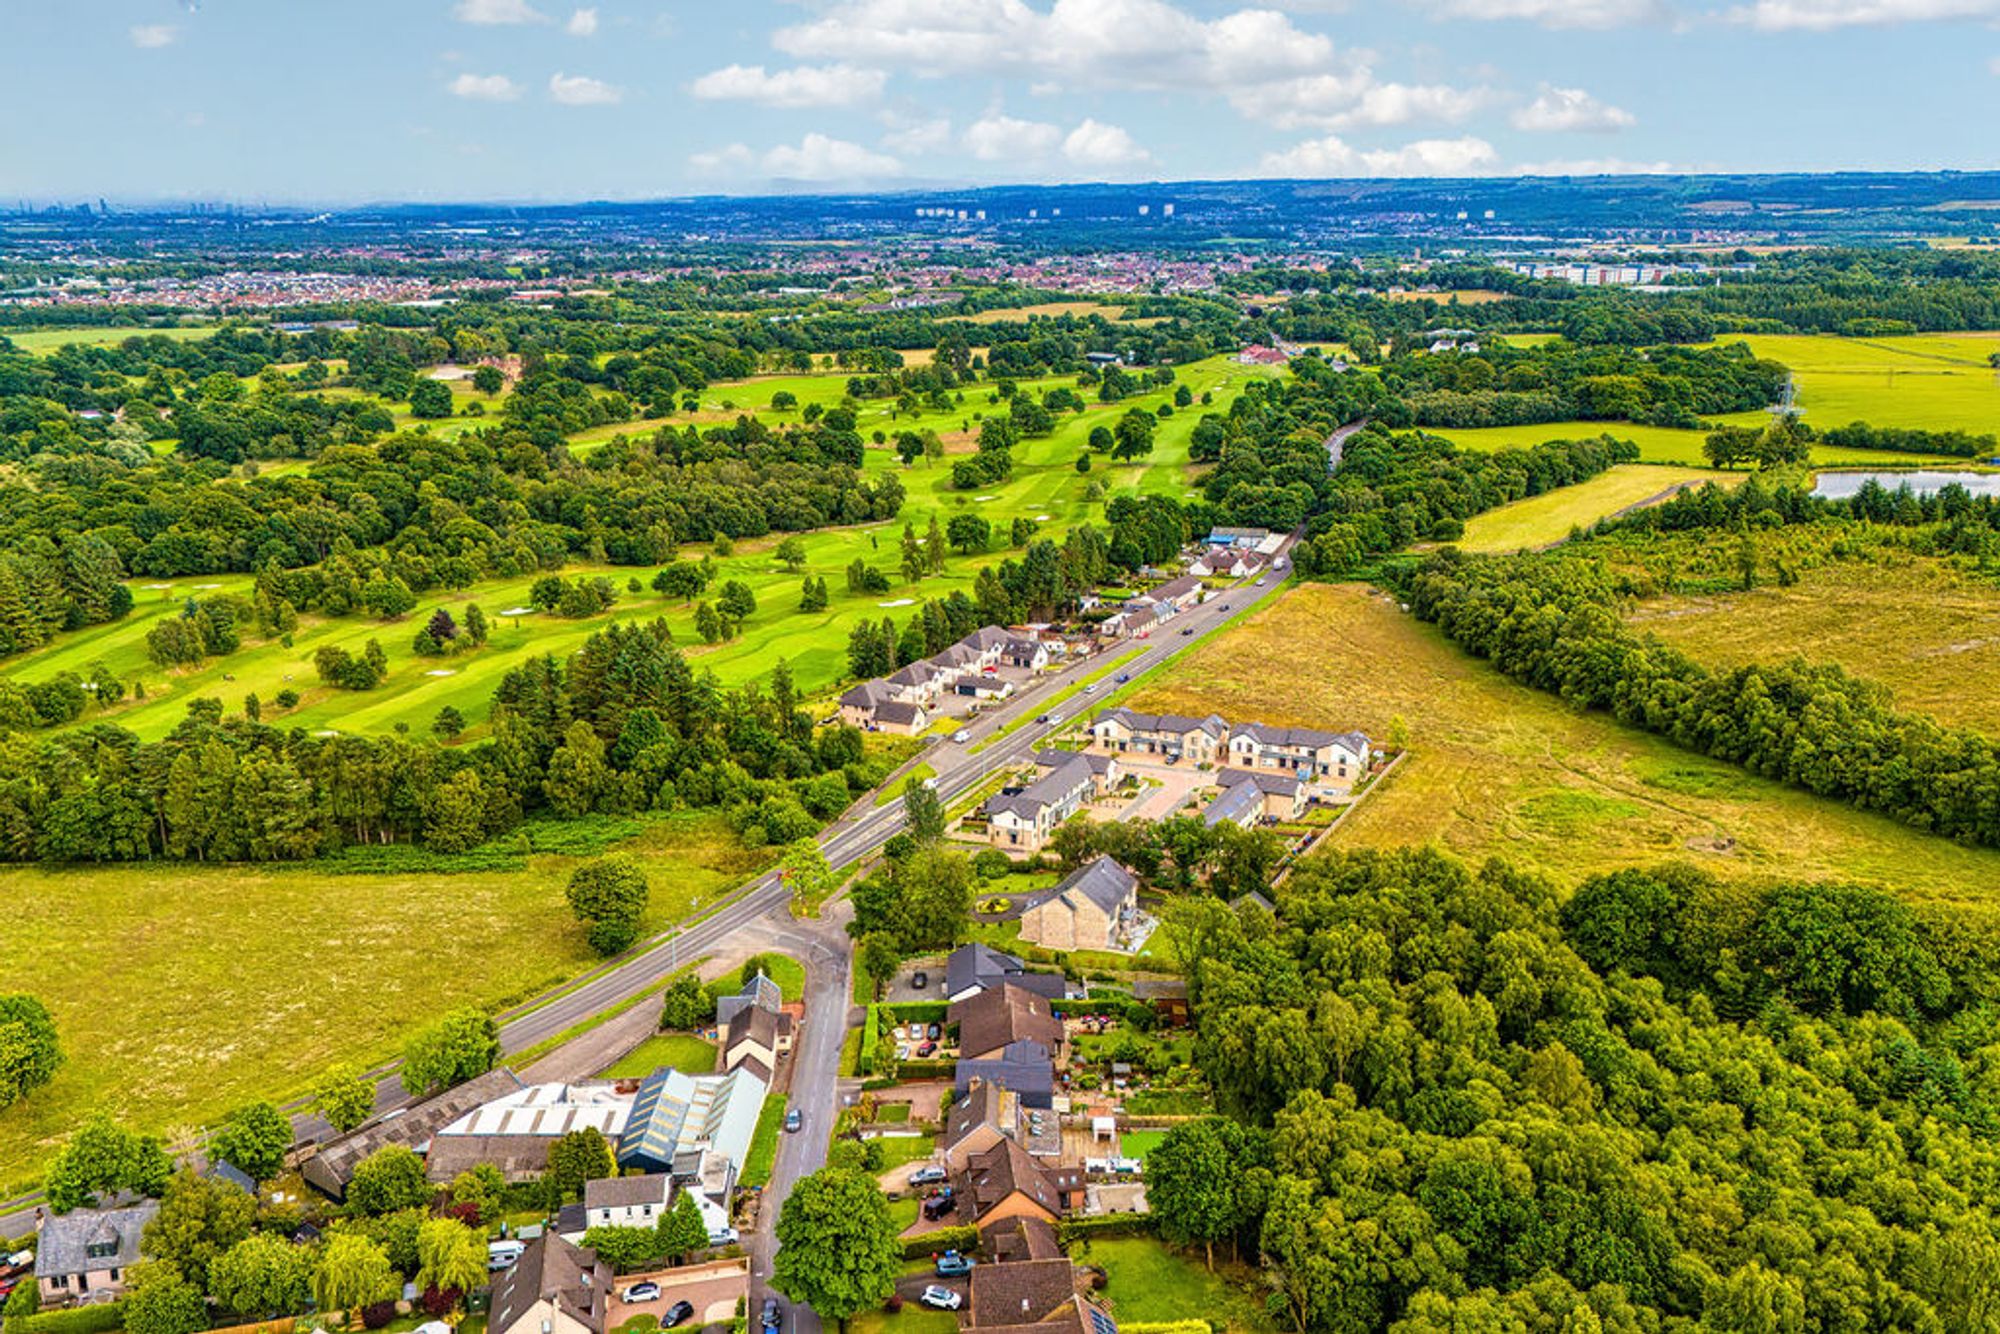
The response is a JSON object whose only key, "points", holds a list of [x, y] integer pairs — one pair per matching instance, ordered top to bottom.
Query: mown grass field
{"points": [[1015, 314], [48, 340], [1934, 381], [1665, 445], [1045, 487], [1541, 520], [1929, 632], [1498, 769], [183, 990], [682, 1051]]}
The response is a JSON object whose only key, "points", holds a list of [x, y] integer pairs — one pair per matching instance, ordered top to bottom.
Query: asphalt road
{"points": [[850, 840]]}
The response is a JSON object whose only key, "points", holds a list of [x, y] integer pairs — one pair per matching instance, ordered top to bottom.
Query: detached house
{"points": [[1166, 735], [1338, 757], [1023, 821], [1090, 909], [971, 969], [992, 1020], [1004, 1182], [81, 1257], [554, 1288]]}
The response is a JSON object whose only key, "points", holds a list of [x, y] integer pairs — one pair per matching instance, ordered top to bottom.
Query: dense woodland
{"points": [[1668, 1103]]}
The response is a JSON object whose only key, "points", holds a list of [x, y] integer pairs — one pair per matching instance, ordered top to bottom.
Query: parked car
{"points": [[1185, 633], [961, 736], [920, 979], [936, 1032], [925, 1051], [794, 1122], [925, 1176], [937, 1206], [723, 1236], [502, 1254], [953, 1265], [641, 1292], [938, 1297], [774, 1313], [677, 1314]]}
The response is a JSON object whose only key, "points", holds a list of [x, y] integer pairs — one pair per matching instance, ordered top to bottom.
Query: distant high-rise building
{"points": [[1144, 209], [1166, 210]]}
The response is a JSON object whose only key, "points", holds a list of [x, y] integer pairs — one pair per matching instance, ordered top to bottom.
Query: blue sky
{"points": [[353, 100]]}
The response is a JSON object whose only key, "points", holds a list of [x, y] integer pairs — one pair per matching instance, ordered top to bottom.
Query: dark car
{"points": [[1185, 633], [1123, 677], [919, 980], [924, 1050], [794, 1121], [937, 1206], [774, 1313], [677, 1314]]}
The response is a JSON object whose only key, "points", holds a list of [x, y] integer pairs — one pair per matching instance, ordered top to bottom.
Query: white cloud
{"points": [[491, 13], [1559, 13], [1824, 15], [583, 23], [152, 36], [1144, 44], [803, 86], [485, 87], [577, 90], [1405, 103], [1568, 109], [919, 137], [998, 138], [1095, 144], [1332, 156], [735, 157], [818, 157], [1602, 166]]}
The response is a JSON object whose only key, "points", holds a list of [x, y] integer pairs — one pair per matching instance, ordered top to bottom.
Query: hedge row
{"points": [[1106, 1225], [944, 1239], [75, 1320]]}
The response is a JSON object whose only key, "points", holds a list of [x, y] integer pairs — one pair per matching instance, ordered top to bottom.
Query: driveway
{"points": [[1175, 784], [712, 1289]]}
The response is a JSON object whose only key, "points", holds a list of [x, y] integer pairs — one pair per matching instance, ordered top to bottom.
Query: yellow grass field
{"points": [[1017, 314], [1932, 381], [1542, 520], [1929, 632], [1498, 769]]}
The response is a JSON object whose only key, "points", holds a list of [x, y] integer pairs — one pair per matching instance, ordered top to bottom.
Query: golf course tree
{"points": [[608, 895], [459, 1046], [30, 1053], [837, 1248]]}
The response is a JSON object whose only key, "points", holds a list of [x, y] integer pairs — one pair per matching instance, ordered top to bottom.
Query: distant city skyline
{"points": [[318, 102]]}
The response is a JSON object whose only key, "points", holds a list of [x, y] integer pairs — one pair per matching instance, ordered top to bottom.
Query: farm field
{"points": [[1017, 314], [48, 340], [1933, 381], [1666, 445], [1045, 487], [1541, 520], [1928, 632], [1499, 769], [183, 990]]}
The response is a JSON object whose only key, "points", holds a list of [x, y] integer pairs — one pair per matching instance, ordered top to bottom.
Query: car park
{"points": [[953, 1265], [641, 1292], [940, 1298]]}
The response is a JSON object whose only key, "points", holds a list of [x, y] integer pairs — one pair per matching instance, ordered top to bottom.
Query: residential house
{"points": [[1227, 563], [1177, 595], [1135, 617], [1029, 654], [901, 719], [1165, 735], [1336, 757], [1104, 771], [1252, 796], [1022, 821], [1092, 908], [971, 969], [759, 992], [992, 1020], [754, 1039], [1025, 1068], [977, 1121], [695, 1127], [514, 1132], [332, 1166], [1005, 1182], [638, 1201], [1022, 1237], [81, 1257], [556, 1287], [1032, 1296]]}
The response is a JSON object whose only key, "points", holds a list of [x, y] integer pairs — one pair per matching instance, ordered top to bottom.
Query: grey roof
{"points": [[1175, 589], [986, 637], [955, 655], [920, 672], [867, 695], [895, 711], [1171, 724], [1300, 736], [1100, 764], [1281, 782], [1053, 787], [1235, 805], [1101, 880], [980, 966], [759, 992], [998, 1017], [752, 1024], [1025, 1068], [333, 1166], [623, 1192], [66, 1239], [553, 1269]]}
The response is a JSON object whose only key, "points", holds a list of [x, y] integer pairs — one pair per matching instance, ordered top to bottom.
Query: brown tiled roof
{"points": [[1001, 1015], [983, 1104], [1005, 1169], [1018, 1238], [552, 1269], [1024, 1292]]}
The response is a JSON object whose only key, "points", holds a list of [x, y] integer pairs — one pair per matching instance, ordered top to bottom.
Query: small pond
{"points": [[1841, 485]]}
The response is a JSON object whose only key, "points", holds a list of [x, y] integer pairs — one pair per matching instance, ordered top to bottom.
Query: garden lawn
{"points": [[1542, 520], [1499, 769], [787, 972], [182, 990], [681, 1051], [1139, 1143], [900, 1149], [763, 1155], [1150, 1282], [912, 1319]]}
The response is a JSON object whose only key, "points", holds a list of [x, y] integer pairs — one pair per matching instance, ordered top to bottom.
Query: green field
{"points": [[48, 340], [1933, 381], [1665, 445], [1045, 487], [1547, 518], [1499, 769], [787, 972], [182, 990], [682, 1051], [1150, 1282]]}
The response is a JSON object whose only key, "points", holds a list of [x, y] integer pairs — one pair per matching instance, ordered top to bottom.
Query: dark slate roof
{"points": [[1175, 589], [986, 637], [867, 695], [895, 711], [1173, 724], [1313, 737], [1049, 758], [1277, 781], [1049, 789], [1234, 805], [1101, 880], [980, 965], [761, 992], [1002, 1015], [751, 1024], [1023, 1067], [984, 1104], [333, 1166], [624, 1192], [1019, 1238], [66, 1239], [551, 1268], [1024, 1292]]}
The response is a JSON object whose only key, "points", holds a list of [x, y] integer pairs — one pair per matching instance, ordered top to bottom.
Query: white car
{"points": [[961, 736], [641, 1292], [940, 1298]]}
